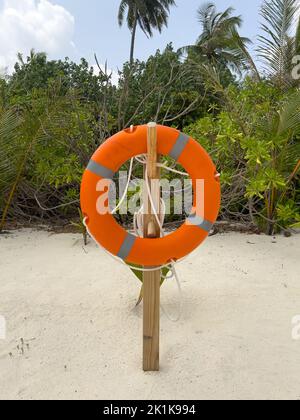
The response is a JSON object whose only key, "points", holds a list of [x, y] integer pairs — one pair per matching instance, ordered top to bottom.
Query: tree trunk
{"points": [[133, 34]]}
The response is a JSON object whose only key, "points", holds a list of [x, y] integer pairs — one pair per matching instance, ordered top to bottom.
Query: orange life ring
{"points": [[109, 158]]}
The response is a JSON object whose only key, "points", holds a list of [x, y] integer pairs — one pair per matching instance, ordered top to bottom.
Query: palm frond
{"points": [[122, 10], [148, 14], [204, 14], [297, 39], [241, 45], [275, 46], [289, 117], [9, 124], [16, 148]]}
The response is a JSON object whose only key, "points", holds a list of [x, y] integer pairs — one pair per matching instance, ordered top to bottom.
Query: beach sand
{"points": [[73, 332]]}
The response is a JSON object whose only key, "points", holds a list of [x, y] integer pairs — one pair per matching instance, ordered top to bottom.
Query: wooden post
{"points": [[151, 279]]}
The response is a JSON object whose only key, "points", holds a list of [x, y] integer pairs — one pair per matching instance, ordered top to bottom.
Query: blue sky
{"points": [[96, 27], [77, 28]]}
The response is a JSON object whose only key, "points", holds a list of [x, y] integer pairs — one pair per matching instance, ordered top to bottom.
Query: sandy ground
{"points": [[73, 330]]}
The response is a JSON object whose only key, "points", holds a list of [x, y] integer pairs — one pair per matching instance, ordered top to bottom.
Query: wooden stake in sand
{"points": [[151, 280]]}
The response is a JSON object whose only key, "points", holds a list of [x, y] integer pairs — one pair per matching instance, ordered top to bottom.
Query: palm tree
{"points": [[147, 14], [220, 42], [278, 46]]}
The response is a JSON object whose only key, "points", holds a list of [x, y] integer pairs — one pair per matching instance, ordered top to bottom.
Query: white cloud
{"points": [[38, 24]]}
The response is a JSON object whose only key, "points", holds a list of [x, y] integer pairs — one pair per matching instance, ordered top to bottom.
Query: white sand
{"points": [[73, 331]]}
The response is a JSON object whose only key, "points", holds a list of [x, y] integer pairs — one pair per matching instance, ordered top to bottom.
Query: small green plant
{"points": [[257, 151]]}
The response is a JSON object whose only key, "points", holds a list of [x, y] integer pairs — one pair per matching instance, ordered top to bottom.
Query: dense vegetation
{"points": [[54, 114]]}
